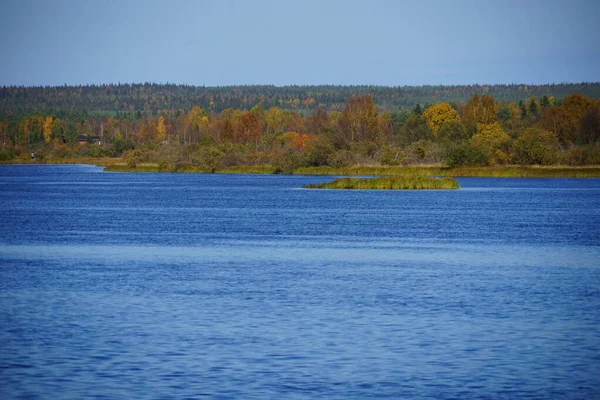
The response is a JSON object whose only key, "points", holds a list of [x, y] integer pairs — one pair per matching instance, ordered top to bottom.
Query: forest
{"points": [[287, 128]]}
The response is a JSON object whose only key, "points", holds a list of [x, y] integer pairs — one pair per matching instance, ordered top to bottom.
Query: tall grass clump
{"points": [[389, 183]]}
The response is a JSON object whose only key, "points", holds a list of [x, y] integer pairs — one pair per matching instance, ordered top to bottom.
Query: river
{"points": [[159, 286]]}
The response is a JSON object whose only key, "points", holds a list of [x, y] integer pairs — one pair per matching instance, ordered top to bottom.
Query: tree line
{"points": [[124, 100], [482, 131]]}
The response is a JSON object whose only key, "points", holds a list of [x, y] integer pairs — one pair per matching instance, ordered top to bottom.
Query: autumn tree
{"points": [[576, 104], [479, 110], [439, 115], [359, 118], [229, 121], [273, 121], [318, 121], [384, 121], [558, 121], [565, 121], [197, 122], [589, 126], [250, 128], [47, 129], [161, 130], [492, 139], [536, 146]]}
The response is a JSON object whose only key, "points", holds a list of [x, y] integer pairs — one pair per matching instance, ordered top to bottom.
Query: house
{"points": [[83, 139]]}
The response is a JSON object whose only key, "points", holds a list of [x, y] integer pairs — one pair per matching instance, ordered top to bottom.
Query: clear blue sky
{"points": [[226, 42]]}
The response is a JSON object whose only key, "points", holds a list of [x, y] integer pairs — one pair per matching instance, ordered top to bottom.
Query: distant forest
{"points": [[122, 100], [178, 127]]}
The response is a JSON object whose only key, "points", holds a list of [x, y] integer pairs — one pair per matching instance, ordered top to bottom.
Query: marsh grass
{"points": [[118, 165], [151, 167], [248, 169], [370, 170], [492, 172], [525, 172], [389, 183]]}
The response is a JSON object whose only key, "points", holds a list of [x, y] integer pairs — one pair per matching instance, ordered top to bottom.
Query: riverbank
{"points": [[118, 165], [373, 170]]}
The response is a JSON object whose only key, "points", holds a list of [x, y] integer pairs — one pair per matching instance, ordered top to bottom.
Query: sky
{"points": [[299, 42]]}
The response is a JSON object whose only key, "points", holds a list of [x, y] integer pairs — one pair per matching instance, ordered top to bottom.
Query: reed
{"points": [[247, 169], [371, 170], [492, 172], [525, 172], [389, 183]]}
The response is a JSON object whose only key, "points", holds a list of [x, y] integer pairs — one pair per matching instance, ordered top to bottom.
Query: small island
{"points": [[389, 183]]}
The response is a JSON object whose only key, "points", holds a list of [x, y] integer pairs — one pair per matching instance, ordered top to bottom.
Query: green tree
{"points": [[545, 102], [532, 108], [414, 130], [454, 131], [464, 155]]}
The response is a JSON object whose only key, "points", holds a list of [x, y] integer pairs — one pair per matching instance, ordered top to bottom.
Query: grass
{"points": [[152, 167], [247, 169], [370, 170], [427, 170], [526, 172], [389, 183]]}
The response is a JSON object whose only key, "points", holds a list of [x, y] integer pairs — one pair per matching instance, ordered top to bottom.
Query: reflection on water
{"points": [[175, 286]]}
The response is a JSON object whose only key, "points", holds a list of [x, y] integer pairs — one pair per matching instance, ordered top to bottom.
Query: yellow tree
{"points": [[479, 110], [439, 115], [197, 121], [273, 121], [47, 129], [161, 130], [492, 139]]}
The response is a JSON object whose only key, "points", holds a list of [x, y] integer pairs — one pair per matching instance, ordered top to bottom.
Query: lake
{"points": [[160, 286]]}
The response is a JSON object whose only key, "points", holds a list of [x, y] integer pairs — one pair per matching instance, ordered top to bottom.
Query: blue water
{"points": [[160, 286]]}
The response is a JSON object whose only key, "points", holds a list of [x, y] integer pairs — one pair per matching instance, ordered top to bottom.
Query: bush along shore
{"points": [[389, 183]]}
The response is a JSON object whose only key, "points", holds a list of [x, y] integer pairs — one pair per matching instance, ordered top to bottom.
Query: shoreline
{"points": [[509, 171]]}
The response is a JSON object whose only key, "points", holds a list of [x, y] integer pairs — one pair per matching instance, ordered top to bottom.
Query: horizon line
{"points": [[296, 85]]}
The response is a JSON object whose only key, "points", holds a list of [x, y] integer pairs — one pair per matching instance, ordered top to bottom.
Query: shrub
{"points": [[536, 146], [7, 154], [465, 155]]}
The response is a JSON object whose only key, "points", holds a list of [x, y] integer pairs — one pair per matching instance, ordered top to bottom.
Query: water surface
{"points": [[153, 286]]}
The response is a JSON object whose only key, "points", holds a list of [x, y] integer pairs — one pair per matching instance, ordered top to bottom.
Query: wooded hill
{"points": [[123, 100]]}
